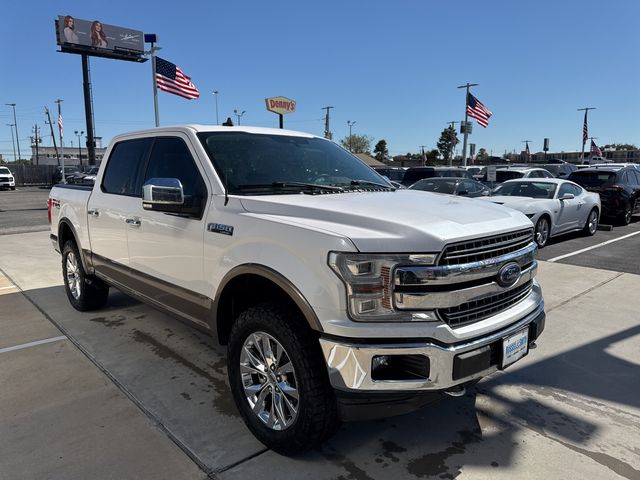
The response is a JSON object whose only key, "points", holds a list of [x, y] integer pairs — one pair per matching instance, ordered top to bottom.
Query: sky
{"points": [[392, 67]]}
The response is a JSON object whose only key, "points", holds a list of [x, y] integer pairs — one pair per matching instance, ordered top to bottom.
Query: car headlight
{"points": [[368, 279]]}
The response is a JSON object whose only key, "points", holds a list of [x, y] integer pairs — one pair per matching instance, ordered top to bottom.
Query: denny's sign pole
{"points": [[281, 106]]}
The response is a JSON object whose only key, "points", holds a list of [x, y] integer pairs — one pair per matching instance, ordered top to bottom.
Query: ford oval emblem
{"points": [[509, 274]]}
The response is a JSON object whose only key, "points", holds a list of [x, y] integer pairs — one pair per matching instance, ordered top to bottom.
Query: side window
{"points": [[170, 158], [123, 167], [534, 174], [546, 174], [636, 175], [625, 178], [470, 187], [564, 189], [575, 189]]}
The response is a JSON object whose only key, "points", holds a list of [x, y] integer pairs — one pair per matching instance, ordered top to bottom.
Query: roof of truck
{"points": [[216, 128]]}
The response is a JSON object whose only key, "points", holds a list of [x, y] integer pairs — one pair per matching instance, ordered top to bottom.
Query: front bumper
{"points": [[350, 364]]}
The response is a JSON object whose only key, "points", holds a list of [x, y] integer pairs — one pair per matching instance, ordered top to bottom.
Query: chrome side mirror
{"points": [[162, 194]]}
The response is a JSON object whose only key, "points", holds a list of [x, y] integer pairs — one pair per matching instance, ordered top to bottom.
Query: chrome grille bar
{"points": [[483, 248]]}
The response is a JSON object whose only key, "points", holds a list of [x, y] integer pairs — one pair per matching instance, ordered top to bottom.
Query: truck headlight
{"points": [[368, 279]]}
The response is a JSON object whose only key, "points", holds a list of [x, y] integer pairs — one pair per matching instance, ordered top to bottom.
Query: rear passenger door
{"points": [[634, 178], [166, 249]]}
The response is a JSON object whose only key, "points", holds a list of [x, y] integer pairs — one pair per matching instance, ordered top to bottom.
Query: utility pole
{"points": [[215, 94], [59, 102], [46, 110], [239, 115], [466, 121], [15, 123], [351, 124], [585, 129], [327, 131], [79, 134], [36, 141], [13, 142], [526, 149], [424, 160]]}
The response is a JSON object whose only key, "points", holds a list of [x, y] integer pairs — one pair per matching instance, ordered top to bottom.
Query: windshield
{"points": [[267, 164], [5, 171], [593, 179], [439, 186], [527, 189]]}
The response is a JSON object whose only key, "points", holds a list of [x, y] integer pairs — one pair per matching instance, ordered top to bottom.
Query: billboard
{"points": [[99, 39], [280, 105]]}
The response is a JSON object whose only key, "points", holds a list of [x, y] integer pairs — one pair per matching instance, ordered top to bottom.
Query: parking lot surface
{"points": [[23, 210], [570, 409]]}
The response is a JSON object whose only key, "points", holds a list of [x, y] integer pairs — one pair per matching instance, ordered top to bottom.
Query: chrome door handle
{"points": [[93, 212], [133, 222]]}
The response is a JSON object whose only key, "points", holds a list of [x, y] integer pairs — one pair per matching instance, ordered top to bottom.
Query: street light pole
{"points": [[215, 94], [239, 115], [466, 121], [15, 124], [351, 124], [585, 128], [327, 130], [13, 143], [79, 149]]}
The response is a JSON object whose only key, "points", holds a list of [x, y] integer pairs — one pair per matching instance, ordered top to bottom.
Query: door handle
{"points": [[93, 212], [133, 222]]}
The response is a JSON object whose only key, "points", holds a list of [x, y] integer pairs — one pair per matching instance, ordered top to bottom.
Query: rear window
{"points": [[452, 173], [504, 175], [412, 176], [593, 179], [439, 186]]}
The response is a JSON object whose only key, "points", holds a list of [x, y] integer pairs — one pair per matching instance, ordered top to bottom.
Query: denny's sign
{"points": [[281, 106]]}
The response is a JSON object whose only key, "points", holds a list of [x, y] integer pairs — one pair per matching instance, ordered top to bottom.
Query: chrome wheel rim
{"points": [[593, 222], [542, 232], [73, 275], [269, 381]]}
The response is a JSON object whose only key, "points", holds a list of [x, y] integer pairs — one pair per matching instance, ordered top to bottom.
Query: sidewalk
{"points": [[57, 410]]}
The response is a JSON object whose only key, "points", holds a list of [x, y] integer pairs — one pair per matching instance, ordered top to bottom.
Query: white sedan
{"points": [[554, 206]]}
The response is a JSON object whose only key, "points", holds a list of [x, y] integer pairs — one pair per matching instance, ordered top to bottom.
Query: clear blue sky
{"points": [[392, 67]]}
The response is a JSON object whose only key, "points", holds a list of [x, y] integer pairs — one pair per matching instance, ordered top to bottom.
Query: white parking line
{"points": [[555, 259], [7, 288], [32, 344]]}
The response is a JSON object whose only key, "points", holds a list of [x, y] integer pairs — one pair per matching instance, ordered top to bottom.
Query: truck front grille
{"points": [[485, 248], [477, 310]]}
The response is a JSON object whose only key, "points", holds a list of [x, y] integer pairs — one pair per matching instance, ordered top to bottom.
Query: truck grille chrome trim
{"points": [[485, 248], [477, 310]]}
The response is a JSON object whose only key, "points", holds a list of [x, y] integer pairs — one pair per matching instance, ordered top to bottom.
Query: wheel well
{"points": [[64, 234], [246, 291]]}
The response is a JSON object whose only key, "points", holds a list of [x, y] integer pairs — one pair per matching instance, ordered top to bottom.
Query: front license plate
{"points": [[515, 347]]}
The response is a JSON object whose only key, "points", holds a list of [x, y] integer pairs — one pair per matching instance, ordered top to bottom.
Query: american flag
{"points": [[171, 79], [477, 110], [60, 124], [585, 129], [527, 148], [595, 150]]}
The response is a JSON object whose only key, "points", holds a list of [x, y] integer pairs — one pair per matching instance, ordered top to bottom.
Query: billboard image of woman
{"points": [[98, 37]]}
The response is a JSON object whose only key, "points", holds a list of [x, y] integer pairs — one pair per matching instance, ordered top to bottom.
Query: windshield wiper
{"points": [[355, 183], [284, 185]]}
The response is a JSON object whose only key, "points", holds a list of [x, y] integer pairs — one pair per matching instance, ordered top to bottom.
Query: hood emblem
{"points": [[509, 274]]}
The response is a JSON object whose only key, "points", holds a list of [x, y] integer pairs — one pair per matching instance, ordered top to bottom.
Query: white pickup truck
{"points": [[338, 296]]}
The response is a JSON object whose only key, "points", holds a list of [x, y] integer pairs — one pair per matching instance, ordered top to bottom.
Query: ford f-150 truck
{"points": [[338, 297]]}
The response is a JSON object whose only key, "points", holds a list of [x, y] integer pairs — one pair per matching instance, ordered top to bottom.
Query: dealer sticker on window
{"points": [[515, 347]]}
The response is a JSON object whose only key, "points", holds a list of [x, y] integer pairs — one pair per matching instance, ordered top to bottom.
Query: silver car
{"points": [[554, 206]]}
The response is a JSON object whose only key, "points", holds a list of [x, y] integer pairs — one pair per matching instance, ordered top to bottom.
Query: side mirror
{"points": [[162, 194], [567, 196]]}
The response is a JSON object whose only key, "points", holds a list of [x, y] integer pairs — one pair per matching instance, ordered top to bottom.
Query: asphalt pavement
{"points": [[23, 210]]}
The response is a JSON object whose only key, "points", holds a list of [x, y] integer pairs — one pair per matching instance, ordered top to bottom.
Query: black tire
{"points": [[13, 188], [625, 218], [591, 225], [542, 231], [85, 292], [316, 417]]}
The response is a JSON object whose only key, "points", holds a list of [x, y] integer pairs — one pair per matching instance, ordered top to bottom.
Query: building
{"points": [[73, 155], [616, 156]]}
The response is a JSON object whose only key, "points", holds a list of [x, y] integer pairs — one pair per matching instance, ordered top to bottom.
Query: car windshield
{"points": [[250, 163], [5, 171], [593, 179], [431, 185], [527, 189]]}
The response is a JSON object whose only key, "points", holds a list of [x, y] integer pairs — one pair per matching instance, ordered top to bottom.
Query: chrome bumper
{"points": [[350, 365]]}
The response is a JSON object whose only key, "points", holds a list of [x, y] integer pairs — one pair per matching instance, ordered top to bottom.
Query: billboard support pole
{"points": [[153, 51], [88, 110], [281, 120]]}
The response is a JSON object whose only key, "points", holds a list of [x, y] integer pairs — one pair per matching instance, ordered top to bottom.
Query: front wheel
{"points": [[625, 218], [592, 223], [543, 228], [84, 292], [279, 380]]}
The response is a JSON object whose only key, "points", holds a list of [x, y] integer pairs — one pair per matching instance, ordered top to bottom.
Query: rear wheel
{"points": [[625, 218], [592, 223], [543, 227], [85, 292], [279, 380]]}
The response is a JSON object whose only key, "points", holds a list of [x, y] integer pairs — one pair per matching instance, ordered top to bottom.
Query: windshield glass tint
{"points": [[249, 159], [504, 175], [593, 179], [442, 186], [527, 189]]}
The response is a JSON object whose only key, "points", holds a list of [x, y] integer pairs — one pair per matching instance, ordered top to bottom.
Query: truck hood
{"points": [[400, 222]]}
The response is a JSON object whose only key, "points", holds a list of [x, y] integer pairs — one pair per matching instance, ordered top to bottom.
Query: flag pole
{"points": [[154, 49], [59, 102], [466, 120], [585, 133]]}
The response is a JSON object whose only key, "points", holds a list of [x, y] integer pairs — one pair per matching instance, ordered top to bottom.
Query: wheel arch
{"points": [[66, 232], [266, 285]]}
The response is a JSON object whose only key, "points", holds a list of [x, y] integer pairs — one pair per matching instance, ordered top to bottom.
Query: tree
{"points": [[447, 142], [357, 143], [621, 146], [381, 151], [482, 154], [432, 156]]}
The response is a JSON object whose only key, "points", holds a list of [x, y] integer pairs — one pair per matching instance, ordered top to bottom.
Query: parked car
{"points": [[617, 165], [69, 170], [473, 170], [560, 170], [512, 173], [395, 174], [413, 174], [89, 177], [7, 179], [452, 186], [619, 190], [554, 206], [337, 296]]}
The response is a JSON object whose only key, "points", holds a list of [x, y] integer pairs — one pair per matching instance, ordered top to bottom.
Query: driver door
{"points": [[570, 211]]}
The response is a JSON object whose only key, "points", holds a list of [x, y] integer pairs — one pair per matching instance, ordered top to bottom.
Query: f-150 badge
{"points": [[220, 228]]}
